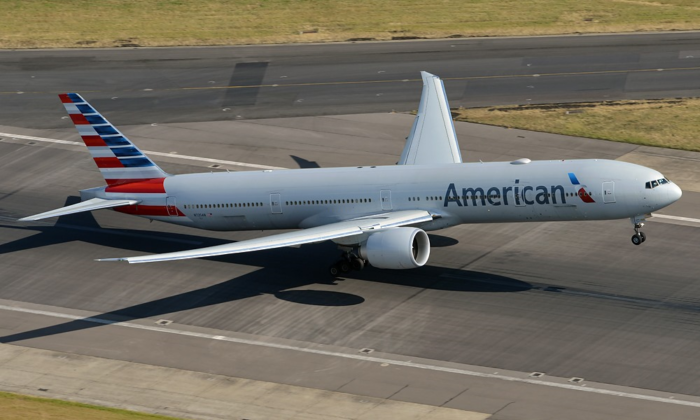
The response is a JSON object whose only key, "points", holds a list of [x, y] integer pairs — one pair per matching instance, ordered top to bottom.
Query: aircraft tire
{"points": [[643, 236], [637, 239], [358, 264], [344, 266], [334, 270]]}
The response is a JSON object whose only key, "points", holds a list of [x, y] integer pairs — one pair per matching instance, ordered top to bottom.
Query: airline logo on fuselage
{"points": [[519, 195], [585, 195]]}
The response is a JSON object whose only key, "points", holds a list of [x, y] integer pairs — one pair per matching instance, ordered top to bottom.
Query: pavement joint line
{"points": [[362, 82], [170, 155], [682, 219], [353, 356]]}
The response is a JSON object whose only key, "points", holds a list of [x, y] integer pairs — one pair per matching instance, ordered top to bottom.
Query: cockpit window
{"points": [[653, 184]]}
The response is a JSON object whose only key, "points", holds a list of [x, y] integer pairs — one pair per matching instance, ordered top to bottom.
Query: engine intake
{"points": [[397, 249]]}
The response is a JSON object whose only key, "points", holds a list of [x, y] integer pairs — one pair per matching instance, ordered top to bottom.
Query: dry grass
{"points": [[108, 23], [671, 123], [20, 407]]}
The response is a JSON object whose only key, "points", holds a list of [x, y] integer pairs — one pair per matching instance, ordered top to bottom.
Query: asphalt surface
{"points": [[175, 85], [566, 299]]}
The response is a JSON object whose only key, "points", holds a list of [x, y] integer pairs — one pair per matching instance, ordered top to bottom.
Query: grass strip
{"points": [[128, 23], [672, 123], [22, 407]]}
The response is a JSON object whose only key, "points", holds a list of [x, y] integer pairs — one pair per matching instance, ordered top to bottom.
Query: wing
{"points": [[433, 139], [89, 205], [336, 230]]}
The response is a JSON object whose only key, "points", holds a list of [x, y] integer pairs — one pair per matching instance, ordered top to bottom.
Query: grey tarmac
{"points": [[167, 85], [568, 299]]}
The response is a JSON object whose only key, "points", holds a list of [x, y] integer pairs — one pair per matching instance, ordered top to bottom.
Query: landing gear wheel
{"points": [[637, 239], [358, 264], [344, 266], [334, 270]]}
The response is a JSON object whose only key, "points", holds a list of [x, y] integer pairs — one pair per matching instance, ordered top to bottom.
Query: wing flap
{"points": [[433, 139], [89, 205], [300, 237]]}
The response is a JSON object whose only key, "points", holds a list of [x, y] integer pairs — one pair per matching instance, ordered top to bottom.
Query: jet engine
{"points": [[397, 248]]}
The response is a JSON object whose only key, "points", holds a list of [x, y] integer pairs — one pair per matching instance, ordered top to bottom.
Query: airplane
{"points": [[375, 214]]}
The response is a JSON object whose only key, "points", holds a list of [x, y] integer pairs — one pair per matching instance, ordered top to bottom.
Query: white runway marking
{"points": [[170, 155], [681, 219], [671, 399]]}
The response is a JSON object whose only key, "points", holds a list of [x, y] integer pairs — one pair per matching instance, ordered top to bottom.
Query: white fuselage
{"points": [[455, 193]]}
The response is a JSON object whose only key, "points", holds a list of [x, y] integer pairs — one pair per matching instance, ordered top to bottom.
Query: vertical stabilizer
{"points": [[433, 139], [119, 160]]}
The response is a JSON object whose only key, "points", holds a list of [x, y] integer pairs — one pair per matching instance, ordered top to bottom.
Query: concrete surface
{"points": [[566, 299], [187, 394]]}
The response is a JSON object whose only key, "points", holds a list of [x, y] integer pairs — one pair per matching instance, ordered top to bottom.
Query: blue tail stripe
{"points": [[75, 98], [86, 109], [95, 119], [105, 130], [116, 141], [125, 151], [136, 162]]}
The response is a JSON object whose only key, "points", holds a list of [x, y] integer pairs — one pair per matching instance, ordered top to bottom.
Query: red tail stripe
{"points": [[65, 99], [78, 119], [94, 141], [108, 162], [121, 181], [148, 186], [142, 210]]}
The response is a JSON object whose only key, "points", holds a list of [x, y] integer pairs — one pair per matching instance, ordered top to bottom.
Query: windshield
{"points": [[655, 183]]}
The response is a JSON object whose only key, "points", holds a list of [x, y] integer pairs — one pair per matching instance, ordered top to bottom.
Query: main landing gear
{"points": [[638, 236], [347, 262]]}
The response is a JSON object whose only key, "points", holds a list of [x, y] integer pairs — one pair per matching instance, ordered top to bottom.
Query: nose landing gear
{"points": [[639, 237]]}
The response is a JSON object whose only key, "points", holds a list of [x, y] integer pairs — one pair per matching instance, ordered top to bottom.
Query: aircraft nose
{"points": [[674, 193]]}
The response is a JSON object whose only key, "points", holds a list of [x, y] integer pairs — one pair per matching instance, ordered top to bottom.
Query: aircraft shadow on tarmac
{"points": [[272, 279]]}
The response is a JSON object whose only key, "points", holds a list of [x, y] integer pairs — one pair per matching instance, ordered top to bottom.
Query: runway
{"points": [[166, 85], [566, 299]]}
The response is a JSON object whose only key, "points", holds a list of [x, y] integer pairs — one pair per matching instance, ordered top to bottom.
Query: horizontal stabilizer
{"points": [[89, 205]]}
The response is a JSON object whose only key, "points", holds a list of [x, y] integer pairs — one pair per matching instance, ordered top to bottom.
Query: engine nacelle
{"points": [[397, 248]]}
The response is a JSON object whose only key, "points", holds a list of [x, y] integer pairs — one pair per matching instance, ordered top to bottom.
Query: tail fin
{"points": [[433, 139], [119, 160]]}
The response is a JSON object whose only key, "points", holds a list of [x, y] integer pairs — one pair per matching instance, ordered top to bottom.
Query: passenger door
{"points": [[608, 192], [385, 199]]}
